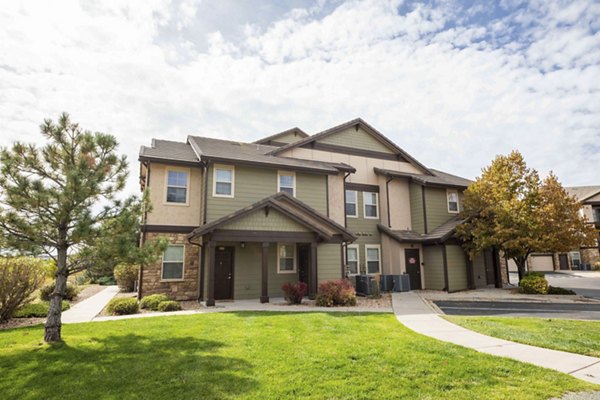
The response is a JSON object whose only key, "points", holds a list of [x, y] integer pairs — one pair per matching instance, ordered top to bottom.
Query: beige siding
{"points": [[357, 139], [312, 190], [336, 198], [437, 207], [416, 208], [400, 210], [164, 213], [259, 221], [394, 261], [540, 263], [329, 264], [433, 268], [457, 268], [479, 271]]}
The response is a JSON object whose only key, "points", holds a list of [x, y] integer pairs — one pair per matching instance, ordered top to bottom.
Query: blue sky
{"points": [[453, 83]]}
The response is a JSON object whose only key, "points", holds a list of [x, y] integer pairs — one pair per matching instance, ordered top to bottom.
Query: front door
{"points": [[488, 258], [563, 261], [303, 263], [413, 267], [224, 273]]}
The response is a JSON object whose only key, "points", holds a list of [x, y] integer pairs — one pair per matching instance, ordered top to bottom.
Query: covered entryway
{"points": [[563, 261], [413, 267], [224, 273]]}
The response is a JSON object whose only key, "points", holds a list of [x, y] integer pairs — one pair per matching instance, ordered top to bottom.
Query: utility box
{"points": [[386, 283], [401, 283], [363, 285]]}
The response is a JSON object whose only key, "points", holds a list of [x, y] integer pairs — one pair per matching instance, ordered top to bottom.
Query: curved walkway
{"points": [[413, 312]]}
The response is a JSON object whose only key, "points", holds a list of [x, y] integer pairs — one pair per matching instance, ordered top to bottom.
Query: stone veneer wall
{"points": [[590, 256], [503, 268], [185, 289]]}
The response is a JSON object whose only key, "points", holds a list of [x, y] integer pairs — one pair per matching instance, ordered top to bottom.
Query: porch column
{"points": [[470, 272], [497, 272], [312, 276], [264, 282], [210, 295]]}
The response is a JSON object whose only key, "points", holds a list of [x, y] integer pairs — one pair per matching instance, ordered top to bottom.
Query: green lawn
{"points": [[581, 337], [260, 356]]}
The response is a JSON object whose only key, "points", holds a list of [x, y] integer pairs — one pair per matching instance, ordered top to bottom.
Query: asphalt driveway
{"points": [[584, 283]]}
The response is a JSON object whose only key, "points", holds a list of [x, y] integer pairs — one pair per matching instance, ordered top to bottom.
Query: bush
{"points": [[596, 266], [126, 275], [19, 278], [105, 281], [533, 283], [375, 289], [559, 290], [71, 292], [294, 292], [336, 293], [151, 302], [169, 305], [122, 306], [37, 310]]}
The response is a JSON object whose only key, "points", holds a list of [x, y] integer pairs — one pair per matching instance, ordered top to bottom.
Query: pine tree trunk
{"points": [[53, 323]]}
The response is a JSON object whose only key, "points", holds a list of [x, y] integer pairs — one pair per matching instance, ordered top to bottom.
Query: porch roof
{"points": [[299, 212], [439, 235]]}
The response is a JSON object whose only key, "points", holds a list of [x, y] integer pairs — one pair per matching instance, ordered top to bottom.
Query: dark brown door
{"points": [[488, 258], [563, 261], [303, 263], [413, 267], [224, 273]]}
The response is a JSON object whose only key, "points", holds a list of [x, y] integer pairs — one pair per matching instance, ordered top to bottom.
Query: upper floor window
{"points": [[224, 178], [286, 182], [177, 186], [452, 195], [370, 205], [351, 206], [596, 214], [352, 259], [373, 259], [286, 260], [172, 263]]}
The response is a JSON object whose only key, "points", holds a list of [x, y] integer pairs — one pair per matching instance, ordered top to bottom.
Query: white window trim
{"points": [[224, 167], [286, 173], [187, 189], [448, 191], [355, 203], [365, 205], [372, 246], [357, 247], [162, 262], [279, 271]]}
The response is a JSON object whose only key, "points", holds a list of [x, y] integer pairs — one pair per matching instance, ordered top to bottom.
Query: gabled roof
{"points": [[366, 127], [273, 138], [168, 151], [240, 153], [439, 178], [582, 193], [326, 228], [438, 235]]}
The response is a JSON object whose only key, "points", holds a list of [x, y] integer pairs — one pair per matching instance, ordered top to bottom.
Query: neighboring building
{"points": [[244, 218]]}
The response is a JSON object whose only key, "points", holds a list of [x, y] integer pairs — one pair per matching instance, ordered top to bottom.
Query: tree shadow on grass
{"points": [[126, 367]]}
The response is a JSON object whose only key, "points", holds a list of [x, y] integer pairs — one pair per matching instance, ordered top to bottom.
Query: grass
{"points": [[582, 337], [252, 355]]}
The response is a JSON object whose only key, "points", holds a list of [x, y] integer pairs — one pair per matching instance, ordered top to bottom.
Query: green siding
{"points": [[289, 137], [356, 139], [312, 190], [437, 207], [416, 208], [259, 221], [365, 229], [329, 264], [433, 268], [457, 268]]}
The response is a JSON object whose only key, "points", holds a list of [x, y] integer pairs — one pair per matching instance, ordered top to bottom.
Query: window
{"points": [[223, 181], [286, 182], [177, 186], [452, 196], [370, 206], [351, 209], [596, 214], [576, 258], [352, 259], [373, 259], [286, 261], [172, 265]]}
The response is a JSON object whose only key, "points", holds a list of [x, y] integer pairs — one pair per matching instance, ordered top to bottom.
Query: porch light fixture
{"points": [[243, 245]]}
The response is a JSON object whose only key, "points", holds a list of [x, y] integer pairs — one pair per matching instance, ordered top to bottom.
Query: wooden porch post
{"points": [[497, 272], [312, 278], [264, 291], [210, 295]]}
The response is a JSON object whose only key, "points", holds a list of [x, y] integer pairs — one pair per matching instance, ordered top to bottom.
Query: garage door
{"points": [[540, 263]]}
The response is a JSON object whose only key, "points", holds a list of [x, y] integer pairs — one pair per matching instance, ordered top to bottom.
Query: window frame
{"points": [[188, 172], [286, 173], [214, 183], [448, 192], [355, 203], [365, 205], [372, 246], [357, 248], [294, 258], [162, 264]]}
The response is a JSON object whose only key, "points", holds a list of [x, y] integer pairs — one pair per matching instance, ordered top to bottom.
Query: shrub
{"points": [[596, 266], [126, 275], [19, 278], [105, 280], [533, 283], [375, 289], [559, 290], [71, 292], [294, 292], [336, 293], [151, 302], [169, 305], [122, 306], [37, 310]]}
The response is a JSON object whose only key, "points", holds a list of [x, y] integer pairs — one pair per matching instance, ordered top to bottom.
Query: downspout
{"points": [[387, 195], [424, 209], [345, 217], [143, 236], [202, 272]]}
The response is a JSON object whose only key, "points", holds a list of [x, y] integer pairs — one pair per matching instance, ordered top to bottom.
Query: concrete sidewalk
{"points": [[86, 310], [412, 311]]}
